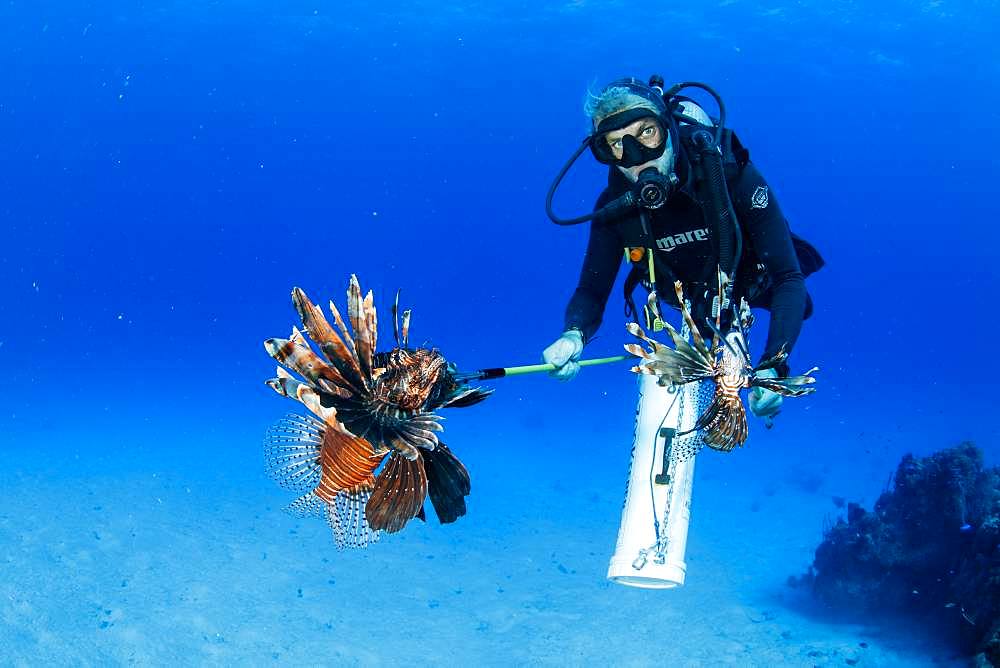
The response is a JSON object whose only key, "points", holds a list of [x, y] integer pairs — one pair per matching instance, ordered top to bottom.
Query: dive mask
{"points": [[645, 143]]}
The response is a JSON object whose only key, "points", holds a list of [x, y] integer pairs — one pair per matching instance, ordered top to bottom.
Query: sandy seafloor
{"points": [[165, 545]]}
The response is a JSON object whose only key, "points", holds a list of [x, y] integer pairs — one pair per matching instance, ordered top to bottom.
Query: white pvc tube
{"points": [[640, 560]]}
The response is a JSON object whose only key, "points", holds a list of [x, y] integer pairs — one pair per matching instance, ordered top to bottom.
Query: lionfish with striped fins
{"points": [[368, 410], [724, 422]]}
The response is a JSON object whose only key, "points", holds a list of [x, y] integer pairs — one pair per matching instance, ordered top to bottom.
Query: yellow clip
{"points": [[653, 322]]}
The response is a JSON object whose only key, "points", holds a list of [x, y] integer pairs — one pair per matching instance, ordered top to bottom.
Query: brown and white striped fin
{"points": [[355, 302], [358, 308], [635, 330], [345, 333], [696, 337], [338, 349], [639, 351], [366, 352], [306, 363], [793, 386], [306, 395], [469, 396], [725, 420], [346, 461], [400, 489]]}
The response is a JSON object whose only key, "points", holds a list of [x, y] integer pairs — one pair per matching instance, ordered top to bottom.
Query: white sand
{"points": [[168, 555]]}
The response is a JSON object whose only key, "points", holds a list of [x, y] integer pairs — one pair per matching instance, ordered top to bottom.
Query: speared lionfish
{"points": [[367, 408], [724, 422]]}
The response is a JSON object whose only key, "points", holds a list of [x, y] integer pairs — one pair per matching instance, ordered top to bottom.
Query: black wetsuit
{"points": [[769, 274]]}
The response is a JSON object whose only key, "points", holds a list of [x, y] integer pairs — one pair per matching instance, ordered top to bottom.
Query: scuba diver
{"points": [[683, 202]]}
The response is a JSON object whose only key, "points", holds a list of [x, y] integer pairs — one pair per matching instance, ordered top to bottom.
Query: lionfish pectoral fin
{"points": [[635, 330], [639, 351], [773, 361], [792, 386], [468, 396], [724, 422], [403, 447], [292, 452], [448, 483], [399, 492]]}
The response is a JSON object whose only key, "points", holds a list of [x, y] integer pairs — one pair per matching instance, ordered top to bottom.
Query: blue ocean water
{"points": [[169, 170]]}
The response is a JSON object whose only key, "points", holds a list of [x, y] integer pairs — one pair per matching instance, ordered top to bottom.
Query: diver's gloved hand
{"points": [[564, 355], [765, 403]]}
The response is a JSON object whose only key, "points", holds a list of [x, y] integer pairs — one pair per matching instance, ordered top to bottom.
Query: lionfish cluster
{"points": [[368, 410], [724, 422]]}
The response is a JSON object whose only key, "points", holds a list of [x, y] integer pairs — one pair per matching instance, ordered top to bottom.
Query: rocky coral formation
{"points": [[930, 547]]}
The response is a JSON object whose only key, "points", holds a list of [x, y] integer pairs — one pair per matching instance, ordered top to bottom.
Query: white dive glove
{"points": [[564, 355], [765, 403]]}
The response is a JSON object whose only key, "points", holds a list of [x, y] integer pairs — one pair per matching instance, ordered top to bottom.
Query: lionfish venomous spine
{"points": [[369, 410], [724, 422]]}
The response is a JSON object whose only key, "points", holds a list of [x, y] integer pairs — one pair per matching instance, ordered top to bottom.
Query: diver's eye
{"points": [[648, 131], [616, 144]]}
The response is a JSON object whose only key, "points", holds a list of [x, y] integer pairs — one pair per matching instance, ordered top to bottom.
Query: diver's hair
{"points": [[608, 101]]}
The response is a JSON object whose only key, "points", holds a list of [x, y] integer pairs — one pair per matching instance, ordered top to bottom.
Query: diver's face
{"points": [[646, 131]]}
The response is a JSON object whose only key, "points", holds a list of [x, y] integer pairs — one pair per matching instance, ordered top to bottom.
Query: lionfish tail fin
{"points": [[448, 483], [399, 492], [346, 516]]}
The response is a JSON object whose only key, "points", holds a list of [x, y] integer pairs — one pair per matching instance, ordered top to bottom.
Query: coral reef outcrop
{"points": [[930, 548]]}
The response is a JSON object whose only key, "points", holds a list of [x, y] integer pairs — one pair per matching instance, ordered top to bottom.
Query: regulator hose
{"points": [[718, 205]]}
